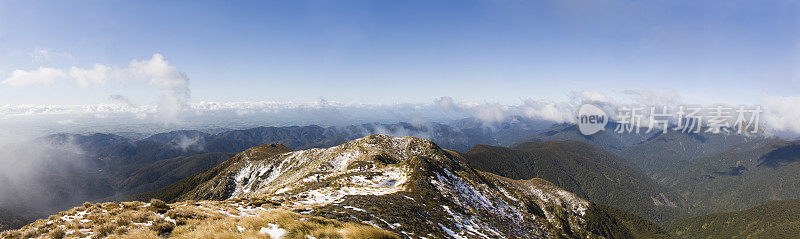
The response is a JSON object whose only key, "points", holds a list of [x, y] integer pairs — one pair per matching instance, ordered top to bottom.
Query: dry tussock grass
{"points": [[133, 220], [296, 226], [138, 233]]}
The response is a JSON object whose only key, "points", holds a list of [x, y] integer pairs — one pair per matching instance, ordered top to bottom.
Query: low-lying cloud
{"points": [[486, 112], [492, 113], [782, 115], [779, 116], [34, 175]]}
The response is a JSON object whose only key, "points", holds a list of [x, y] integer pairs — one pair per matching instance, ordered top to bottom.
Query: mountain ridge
{"points": [[379, 179]]}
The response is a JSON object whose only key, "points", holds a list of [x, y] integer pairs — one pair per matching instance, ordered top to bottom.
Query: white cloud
{"points": [[41, 76], [88, 78], [172, 84], [546, 110], [486, 112], [559, 112], [491, 113], [782, 114]]}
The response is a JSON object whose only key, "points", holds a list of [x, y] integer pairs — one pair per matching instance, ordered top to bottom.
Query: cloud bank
{"points": [[157, 73], [41, 76], [174, 109], [779, 117]]}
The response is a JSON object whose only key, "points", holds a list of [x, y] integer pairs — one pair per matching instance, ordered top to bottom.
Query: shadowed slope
{"points": [[584, 169]]}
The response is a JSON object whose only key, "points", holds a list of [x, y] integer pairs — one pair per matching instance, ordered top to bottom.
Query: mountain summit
{"points": [[407, 185]]}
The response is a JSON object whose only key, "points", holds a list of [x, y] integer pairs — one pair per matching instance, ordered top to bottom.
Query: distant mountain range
{"points": [[606, 139], [623, 179]]}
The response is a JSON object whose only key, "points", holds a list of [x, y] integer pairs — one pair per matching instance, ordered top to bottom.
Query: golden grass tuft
{"points": [[131, 205], [159, 206], [141, 216], [124, 219], [162, 227], [105, 229], [352, 230], [57, 233], [138, 233]]}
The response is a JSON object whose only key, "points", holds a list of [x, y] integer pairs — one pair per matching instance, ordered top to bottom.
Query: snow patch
{"points": [[274, 231]]}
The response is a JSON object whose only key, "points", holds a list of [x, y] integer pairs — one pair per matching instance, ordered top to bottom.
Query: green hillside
{"points": [[606, 139], [668, 151], [583, 169], [164, 172], [740, 178], [179, 189], [778, 219]]}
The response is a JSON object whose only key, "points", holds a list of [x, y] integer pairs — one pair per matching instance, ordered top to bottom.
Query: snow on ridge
{"points": [[285, 171], [358, 185], [560, 198], [478, 199]]}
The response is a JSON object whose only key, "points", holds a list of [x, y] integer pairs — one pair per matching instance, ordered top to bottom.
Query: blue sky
{"points": [[409, 51]]}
